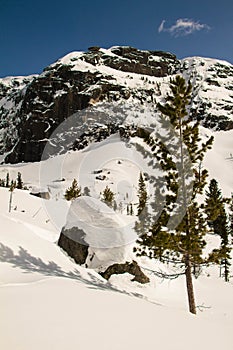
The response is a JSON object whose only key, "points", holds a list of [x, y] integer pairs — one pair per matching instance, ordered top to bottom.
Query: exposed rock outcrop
{"points": [[132, 60], [31, 108], [69, 241], [129, 267]]}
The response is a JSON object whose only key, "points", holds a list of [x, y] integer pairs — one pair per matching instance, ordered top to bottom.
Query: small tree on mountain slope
{"points": [[7, 180], [19, 183], [74, 191], [142, 194], [108, 196], [131, 209], [231, 215], [218, 222], [141, 226], [186, 239]]}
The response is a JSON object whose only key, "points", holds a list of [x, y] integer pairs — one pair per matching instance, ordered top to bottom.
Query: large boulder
{"points": [[95, 236]]}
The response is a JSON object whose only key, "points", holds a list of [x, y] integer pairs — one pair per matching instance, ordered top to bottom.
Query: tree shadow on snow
{"points": [[28, 263]]}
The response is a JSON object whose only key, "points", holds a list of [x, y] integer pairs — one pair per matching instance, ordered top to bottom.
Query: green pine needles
{"points": [[74, 191], [142, 194], [108, 197], [220, 225], [178, 233]]}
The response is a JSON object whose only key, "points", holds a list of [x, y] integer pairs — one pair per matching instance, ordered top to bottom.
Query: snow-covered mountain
{"points": [[31, 108], [47, 300]]}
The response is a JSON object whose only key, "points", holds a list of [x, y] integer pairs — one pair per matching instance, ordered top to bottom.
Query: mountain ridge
{"points": [[32, 107]]}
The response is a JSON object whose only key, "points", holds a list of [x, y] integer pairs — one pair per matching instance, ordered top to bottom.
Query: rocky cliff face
{"points": [[32, 107]]}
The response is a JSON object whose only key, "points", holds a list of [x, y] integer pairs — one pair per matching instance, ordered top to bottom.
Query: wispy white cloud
{"points": [[183, 26], [161, 27]]}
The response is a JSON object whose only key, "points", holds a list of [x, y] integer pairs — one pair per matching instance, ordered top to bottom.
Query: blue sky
{"points": [[35, 33]]}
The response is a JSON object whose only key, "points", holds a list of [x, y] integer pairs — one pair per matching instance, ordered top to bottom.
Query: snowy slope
{"points": [[219, 160], [49, 302]]}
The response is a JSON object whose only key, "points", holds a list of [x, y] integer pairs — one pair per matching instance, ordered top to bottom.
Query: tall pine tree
{"points": [[186, 238]]}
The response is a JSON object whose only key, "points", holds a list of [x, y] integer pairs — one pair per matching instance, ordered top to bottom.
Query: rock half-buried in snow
{"points": [[96, 235]]}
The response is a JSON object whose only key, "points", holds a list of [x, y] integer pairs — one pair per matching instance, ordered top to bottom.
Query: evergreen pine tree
{"points": [[7, 180], [19, 184], [74, 191], [142, 194], [108, 196], [213, 204], [131, 209], [231, 215], [218, 222], [143, 223], [186, 239], [225, 249]]}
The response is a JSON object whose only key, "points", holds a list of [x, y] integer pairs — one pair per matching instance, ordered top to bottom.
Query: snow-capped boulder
{"points": [[40, 192], [92, 223], [96, 236]]}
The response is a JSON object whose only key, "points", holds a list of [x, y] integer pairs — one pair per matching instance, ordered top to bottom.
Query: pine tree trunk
{"points": [[188, 267], [189, 285]]}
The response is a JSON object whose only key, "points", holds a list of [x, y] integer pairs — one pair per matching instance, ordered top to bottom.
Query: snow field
{"points": [[48, 302]]}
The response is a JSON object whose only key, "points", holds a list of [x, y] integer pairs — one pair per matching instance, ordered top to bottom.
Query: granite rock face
{"points": [[132, 60], [31, 108]]}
